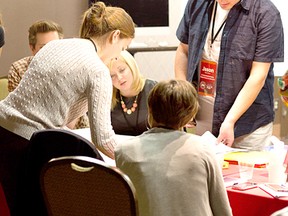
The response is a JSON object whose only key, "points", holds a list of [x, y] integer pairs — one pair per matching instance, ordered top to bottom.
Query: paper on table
{"points": [[85, 132], [209, 138], [260, 158], [229, 181], [273, 192]]}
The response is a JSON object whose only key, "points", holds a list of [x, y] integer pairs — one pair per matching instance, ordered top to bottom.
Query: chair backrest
{"points": [[45, 145], [78, 185], [4, 209]]}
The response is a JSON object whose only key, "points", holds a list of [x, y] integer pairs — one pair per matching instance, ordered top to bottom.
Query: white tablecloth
{"points": [[85, 132]]}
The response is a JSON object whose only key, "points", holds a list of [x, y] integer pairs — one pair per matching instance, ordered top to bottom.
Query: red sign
{"points": [[207, 78]]}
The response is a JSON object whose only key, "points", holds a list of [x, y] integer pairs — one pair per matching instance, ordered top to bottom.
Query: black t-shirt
{"points": [[2, 41]]}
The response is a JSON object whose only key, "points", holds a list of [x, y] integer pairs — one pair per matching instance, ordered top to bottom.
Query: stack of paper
{"points": [[220, 148], [260, 158], [275, 190]]}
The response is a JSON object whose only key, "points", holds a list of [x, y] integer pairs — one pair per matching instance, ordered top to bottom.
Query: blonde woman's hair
{"points": [[100, 19], [138, 79], [172, 104]]}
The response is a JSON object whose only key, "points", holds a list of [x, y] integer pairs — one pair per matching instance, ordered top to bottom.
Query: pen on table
{"points": [[251, 183]]}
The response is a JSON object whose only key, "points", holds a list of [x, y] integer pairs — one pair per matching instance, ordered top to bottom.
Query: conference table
{"points": [[255, 201], [251, 202]]}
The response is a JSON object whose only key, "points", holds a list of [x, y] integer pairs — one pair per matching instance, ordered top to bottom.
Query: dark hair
{"points": [[43, 26], [172, 104]]}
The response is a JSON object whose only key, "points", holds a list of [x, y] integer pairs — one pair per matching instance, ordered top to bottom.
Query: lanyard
{"points": [[213, 23]]}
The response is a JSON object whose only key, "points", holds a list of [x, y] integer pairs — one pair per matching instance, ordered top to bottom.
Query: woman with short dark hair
{"points": [[174, 172]]}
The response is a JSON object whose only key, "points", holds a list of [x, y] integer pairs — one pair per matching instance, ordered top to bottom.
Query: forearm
{"points": [[181, 62], [249, 92], [99, 108], [72, 124], [103, 138], [107, 149]]}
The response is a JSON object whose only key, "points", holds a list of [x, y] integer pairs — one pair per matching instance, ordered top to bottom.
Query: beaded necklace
{"points": [[130, 110]]}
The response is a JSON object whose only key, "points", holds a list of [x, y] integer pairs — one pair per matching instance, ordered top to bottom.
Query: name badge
{"points": [[207, 78]]}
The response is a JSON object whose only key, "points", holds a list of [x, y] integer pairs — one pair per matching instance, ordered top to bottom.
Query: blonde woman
{"points": [[64, 80], [130, 92]]}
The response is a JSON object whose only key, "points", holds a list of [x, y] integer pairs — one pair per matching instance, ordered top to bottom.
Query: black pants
{"points": [[12, 151]]}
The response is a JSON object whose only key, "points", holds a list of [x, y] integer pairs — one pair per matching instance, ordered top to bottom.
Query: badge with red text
{"points": [[207, 78]]}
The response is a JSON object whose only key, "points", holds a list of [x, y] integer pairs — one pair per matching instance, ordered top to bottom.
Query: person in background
{"points": [[40, 33], [2, 38], [228, 48], [64, 80], [283, 88], [283, 91], [130, 93], [174, 172]]}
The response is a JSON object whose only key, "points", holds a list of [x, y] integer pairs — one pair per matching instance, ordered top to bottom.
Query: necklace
{"points": [[130, 110]]}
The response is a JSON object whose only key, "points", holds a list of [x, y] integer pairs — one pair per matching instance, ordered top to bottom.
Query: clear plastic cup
{"points": [[246, 169]]}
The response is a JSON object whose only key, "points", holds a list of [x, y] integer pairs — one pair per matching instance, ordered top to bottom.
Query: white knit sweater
{"points": [[65, 79]]}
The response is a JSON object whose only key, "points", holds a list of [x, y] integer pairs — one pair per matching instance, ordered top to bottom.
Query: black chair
{"points": [[45, 145], [77, 185]]}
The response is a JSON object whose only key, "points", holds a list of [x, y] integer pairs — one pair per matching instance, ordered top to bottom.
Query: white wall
{"points": [[19, 15], [156, 65]]}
